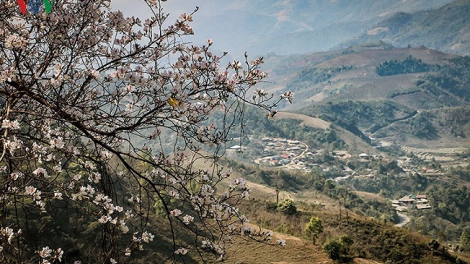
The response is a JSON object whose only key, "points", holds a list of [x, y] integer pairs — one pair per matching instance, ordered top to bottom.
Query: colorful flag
{"points": [[22, 5], [35, 5], [48, 5]]}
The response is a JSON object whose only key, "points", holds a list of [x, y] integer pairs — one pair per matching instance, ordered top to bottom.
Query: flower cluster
{"points": [[289, 96], [13, 125], [8, 234], [50, 256]]}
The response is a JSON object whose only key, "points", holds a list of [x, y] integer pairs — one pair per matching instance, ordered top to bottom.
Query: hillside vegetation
{"points": [[380, 93], [370, 238]]}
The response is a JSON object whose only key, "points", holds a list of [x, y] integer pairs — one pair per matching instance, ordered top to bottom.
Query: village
{"points": [[289, 154], [297, 155], [407, 202]]}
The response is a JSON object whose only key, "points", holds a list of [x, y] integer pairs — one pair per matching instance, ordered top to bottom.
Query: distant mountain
{"points": [[280, 26], [296, 27], [446, 28]]}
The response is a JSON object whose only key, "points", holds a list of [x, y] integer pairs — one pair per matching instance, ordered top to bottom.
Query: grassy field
{"points": [[296, 251]]}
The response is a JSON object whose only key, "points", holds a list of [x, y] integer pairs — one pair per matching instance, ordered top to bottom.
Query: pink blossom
{"points": [[30, 190], [175, 212], [181, 251], [45, 252]]}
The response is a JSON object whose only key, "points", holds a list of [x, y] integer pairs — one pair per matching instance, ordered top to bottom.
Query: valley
{"points": [[354, 134]]}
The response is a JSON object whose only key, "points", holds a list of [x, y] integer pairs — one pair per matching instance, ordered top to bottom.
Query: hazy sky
{"points": [[174, 8]]}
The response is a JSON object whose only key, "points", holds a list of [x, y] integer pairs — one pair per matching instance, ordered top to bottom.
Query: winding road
{"points": [[404, 219]]}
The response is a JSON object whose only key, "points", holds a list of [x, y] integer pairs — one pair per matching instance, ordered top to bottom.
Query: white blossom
{"points": [[94, 73], [13, 125], [57, 142], [41, 172], [30, 190], [58, 195], [175, 212], [104, 219], [187, 219], [123, 227], [147, 237], [181, 251], [45, 252]]}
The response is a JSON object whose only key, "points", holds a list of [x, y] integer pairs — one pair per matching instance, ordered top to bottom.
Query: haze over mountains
{"points": [[296, 27], [446, 28]]}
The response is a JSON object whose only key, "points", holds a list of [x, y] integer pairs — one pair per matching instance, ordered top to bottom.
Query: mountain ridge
{"points": [[284, 27], [446, 28]]}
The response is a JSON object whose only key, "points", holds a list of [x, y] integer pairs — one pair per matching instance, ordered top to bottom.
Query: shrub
{"points": [[287, 207], [333, 248]]}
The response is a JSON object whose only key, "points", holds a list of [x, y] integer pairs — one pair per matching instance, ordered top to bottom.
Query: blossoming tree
{"points": [[103, 119]]}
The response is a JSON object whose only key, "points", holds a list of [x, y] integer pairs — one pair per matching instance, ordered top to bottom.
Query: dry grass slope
{"points": [[306, 120], [245, 251]]}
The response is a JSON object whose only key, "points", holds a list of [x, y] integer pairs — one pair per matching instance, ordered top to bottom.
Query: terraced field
{"points": [[443, 155]]}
